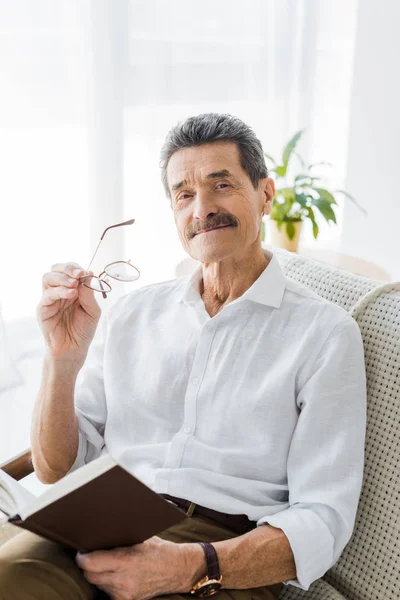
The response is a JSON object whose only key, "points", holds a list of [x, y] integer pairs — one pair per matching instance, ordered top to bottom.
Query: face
{"points": [[210, 189]]}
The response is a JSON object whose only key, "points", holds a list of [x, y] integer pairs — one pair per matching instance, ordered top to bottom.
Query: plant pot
{"points": [[280, 238]]}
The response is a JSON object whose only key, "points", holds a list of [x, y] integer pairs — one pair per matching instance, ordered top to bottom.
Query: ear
{"points": [[268, 186]]}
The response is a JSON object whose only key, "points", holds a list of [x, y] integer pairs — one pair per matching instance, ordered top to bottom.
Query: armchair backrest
{"points": [[369, 565]]}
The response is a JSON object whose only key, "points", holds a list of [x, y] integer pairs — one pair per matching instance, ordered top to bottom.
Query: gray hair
{"points": [[214, 127]]}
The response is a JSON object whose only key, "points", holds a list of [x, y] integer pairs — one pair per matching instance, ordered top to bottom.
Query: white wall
{"points": [[374, 141]]}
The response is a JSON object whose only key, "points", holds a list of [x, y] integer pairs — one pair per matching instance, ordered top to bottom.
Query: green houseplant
{"points": [[296, 200]]}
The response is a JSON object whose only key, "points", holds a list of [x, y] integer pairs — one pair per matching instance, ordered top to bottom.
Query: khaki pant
{"points": [[32, 568]]}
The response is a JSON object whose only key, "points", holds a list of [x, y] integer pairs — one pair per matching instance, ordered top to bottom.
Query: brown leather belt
{"points": [[239, 523]]}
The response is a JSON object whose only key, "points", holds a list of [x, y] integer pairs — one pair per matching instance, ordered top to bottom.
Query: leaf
{"points": [[290, 146], [270, 158], [322, 162], [303, 164], [280, 171], [302, 176], [308, 181], [287, 192], [325, 195], [302, 199], [353, 200], [325, 209], [282, 210], [274, 214], [278, 223], [315, 227], [290, 230]]}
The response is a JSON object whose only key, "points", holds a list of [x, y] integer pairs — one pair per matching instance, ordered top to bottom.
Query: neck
{"points": [[228, 279]]}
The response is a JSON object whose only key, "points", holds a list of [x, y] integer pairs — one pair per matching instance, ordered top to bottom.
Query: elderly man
{"points": [[235, 392]]}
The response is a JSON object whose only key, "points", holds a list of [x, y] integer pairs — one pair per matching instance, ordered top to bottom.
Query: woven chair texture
{"points": [[318, 590]]}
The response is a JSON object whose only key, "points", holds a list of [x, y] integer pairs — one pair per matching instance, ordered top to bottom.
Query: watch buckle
{"points": [[206, 581]]}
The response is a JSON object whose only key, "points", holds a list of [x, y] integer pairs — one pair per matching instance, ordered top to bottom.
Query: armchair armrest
{"points": [[19, 466]]}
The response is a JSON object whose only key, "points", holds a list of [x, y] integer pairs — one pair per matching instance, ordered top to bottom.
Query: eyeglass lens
{"points": [[122, 271]]}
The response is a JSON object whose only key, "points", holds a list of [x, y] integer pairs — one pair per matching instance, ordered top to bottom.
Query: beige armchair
{"points": [[20, 466], [369, 566]]}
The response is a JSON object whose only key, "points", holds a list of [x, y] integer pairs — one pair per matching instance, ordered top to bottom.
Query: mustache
{"points": [[217, 222]]}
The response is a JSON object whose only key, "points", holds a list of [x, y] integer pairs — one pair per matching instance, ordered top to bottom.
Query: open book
{"points": [[99, 506]]}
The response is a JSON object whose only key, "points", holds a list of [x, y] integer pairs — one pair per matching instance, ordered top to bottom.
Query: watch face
{"points": [[208, 589]]}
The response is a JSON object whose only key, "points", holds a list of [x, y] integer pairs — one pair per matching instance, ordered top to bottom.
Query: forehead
{"points": [[198, 162]]}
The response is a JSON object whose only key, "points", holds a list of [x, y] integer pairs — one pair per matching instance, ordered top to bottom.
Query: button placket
{"points": [[180, 440]]}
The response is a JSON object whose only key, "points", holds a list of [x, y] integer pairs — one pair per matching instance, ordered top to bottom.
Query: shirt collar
{"points": [[268, 289]]}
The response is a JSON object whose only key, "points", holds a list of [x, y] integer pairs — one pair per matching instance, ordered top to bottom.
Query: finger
{"points": [[68, 267], [71, 269], [55, 278], [53, 294], [43, 313], [99, 561], [106, 578]]}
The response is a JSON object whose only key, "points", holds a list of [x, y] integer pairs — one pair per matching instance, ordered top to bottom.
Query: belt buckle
{"points": [[191, 508]]}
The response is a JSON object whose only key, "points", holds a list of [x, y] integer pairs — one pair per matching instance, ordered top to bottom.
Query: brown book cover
{"points": [[113, 509]]}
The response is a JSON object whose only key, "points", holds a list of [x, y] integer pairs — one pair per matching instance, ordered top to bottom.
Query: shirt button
{"points": [[195, 380], [187, 430]]}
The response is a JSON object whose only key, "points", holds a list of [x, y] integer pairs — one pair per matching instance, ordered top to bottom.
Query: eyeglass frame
{"points": [[104, 293]]}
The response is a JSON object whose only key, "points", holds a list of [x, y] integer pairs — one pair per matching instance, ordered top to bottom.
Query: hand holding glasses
{"points": [[119, 270]]}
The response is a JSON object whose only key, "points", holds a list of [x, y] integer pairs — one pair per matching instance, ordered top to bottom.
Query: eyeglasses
{"points": [[120, 270]]}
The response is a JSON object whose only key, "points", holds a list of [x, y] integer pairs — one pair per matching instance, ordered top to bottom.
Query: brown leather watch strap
{"points": [[211, 559]]}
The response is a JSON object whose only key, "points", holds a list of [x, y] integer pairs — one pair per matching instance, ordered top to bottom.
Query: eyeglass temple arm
{"points": [[104, 233]]}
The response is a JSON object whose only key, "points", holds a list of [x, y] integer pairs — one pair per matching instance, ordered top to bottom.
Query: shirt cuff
{"points": [[311, 542]]}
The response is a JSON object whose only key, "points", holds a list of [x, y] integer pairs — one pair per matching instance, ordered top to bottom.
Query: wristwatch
{"points": [[211, 583]]}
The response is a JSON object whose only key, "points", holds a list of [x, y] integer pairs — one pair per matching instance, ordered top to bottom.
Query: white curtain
{"points": [[90, 88], [88, 92]]}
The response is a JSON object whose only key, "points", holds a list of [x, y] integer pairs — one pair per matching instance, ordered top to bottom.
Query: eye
{"points": [[227, 184]]}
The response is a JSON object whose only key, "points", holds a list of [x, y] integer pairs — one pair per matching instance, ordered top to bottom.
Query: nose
{"points": [[205, 206]]}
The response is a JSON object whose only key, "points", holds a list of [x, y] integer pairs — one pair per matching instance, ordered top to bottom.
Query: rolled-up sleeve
{"points": [[90, 400], [326, 456]]}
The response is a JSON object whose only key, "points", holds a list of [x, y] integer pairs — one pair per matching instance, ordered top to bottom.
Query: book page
{"points": [[70, 482], [13, 496]]}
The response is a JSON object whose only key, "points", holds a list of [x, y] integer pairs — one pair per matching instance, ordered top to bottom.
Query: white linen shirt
{"points": [[259, 410]]}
